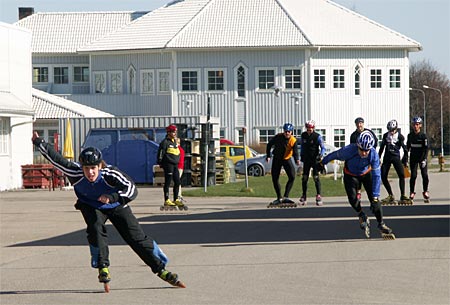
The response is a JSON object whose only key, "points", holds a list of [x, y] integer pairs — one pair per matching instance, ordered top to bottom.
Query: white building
{"points": [[331, 63], [16, 113]]}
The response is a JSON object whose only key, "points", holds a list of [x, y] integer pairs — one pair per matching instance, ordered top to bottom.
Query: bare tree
{"points": [[423, 73]]}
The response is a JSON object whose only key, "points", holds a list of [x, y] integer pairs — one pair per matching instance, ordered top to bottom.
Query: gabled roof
{"points": [[251, 23], [66, 32], [11, 104], [49, 106]]}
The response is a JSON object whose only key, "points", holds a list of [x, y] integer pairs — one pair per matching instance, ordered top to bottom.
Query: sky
{"points": [[425, 21]]}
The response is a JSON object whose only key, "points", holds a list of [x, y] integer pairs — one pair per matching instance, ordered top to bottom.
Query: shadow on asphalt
{"points": [[273, 226]]}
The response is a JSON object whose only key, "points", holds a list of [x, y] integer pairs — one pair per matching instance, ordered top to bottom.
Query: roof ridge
{"points": [[293, 22], [187, 23]]}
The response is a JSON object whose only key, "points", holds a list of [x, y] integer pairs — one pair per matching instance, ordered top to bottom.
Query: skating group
{"points": [[362, 166]]}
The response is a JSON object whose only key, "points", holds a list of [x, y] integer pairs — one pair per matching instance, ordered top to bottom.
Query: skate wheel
{"points": [[185, 207], [161, 208], [388, 236], [106, 287]]}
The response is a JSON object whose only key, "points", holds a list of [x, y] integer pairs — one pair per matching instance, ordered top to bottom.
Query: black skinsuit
{"points": [[417, 145]]}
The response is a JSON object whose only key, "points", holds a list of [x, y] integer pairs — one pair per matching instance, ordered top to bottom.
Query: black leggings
{"points": [[398, 166], [289, 168], [306, 169], [171, 172], [424, 172], [353, 184], [128, 227]]}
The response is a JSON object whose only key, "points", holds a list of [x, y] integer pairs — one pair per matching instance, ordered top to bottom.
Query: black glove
{"points": [[318, 158], [321, 168]]}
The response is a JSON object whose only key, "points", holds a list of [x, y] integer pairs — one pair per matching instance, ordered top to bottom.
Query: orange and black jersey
{"points": [[283, 149], [168, 152]]}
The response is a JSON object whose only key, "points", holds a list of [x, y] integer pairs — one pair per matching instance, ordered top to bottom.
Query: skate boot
{"points": [[411, 197], [426, 197], [303, 200], [319, 200], [389, 200], [405, 200], [288, 203], [180, 204], [275, 204], [168, 205], [364, 224], [386, 232], [104, 277], [171, 278]]}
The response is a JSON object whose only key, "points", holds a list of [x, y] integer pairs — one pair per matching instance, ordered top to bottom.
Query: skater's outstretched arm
{"points": [[126, 189]]}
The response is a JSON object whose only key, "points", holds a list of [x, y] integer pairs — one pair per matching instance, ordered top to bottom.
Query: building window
{"points": [[80, 74], [40, 75], [61, 75], [240, 75], [266, 78], [319, 78], [375, 78], [394, 78], [293, 79], [338, 79], [131, 80], [189, 80], [357, 80], [163, 81], [215, 81], [100, 82], [115, 82], [147, 82], [297, 132], [323, 133], [378, 133], [265, 135], [4, 136], [52, 136], [240, 136], [339, 138]]}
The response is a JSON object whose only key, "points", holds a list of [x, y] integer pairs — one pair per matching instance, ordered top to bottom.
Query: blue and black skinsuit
{"points": [[392, 143], [417, 144], [283, 151], [311, 152], [168, 159], [357, 171], [120, 190]]}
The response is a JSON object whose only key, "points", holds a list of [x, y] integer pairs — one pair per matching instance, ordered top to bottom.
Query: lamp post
{"points": [[297, 99], [424, 109], [442, 120]]}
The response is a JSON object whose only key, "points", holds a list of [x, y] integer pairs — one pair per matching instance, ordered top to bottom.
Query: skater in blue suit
{"points": [[362, 166], [104, 192]]}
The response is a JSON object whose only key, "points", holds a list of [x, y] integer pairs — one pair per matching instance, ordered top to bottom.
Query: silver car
{"points": [[258, 166]]}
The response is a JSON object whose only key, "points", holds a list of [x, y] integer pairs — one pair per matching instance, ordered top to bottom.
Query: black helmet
{"points": [[359, 120], [90, 156]]}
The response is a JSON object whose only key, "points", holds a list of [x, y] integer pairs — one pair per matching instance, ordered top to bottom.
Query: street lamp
{"points": [[297, 99], [424, 110], [442, 120]]}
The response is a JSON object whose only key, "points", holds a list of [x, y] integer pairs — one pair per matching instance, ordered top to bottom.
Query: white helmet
{"points": [[392, 125]]}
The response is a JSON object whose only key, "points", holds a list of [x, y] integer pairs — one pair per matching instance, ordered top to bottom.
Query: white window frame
{"points": [[82, 67], [235, 71], [48, 74], [68, 74], [102, 75], [399, 76], [224, 77], [341, 79], [180, 80], [320, 80], [378, 80], [161, 82], [284, 82], [131, 83], [357, 84], [143, 85], [115, 86], [269, 86], [323, 133], [378, 133], [4, 136], [267, 136], [341, 142]]}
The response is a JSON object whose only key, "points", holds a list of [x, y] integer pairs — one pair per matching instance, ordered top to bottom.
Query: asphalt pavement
{"points": [[230, 250]]}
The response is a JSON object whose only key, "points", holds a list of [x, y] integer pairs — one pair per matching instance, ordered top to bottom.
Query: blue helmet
{"points": [[417, 119], [288, 127], [365, 140], [90, 156]]}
